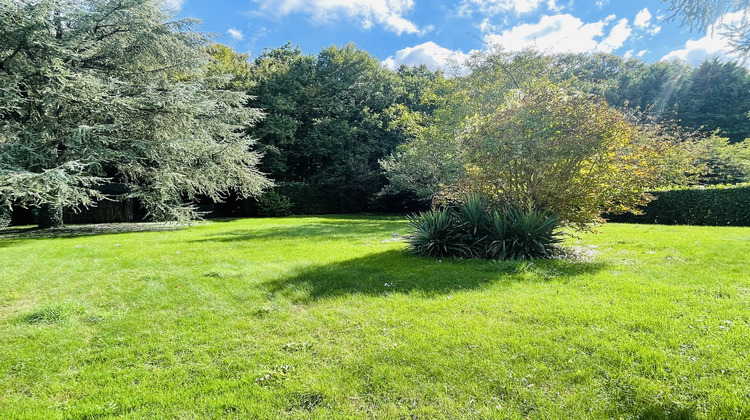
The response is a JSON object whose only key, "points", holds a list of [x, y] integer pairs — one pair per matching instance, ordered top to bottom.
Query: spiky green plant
{"points": [[473, 214], [473, 219], [436, 233], [521, 234]]}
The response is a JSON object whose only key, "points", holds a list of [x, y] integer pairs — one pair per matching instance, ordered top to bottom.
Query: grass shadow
{"points": [[326, 227], [10, 236], [398, 272], [666, 412]]}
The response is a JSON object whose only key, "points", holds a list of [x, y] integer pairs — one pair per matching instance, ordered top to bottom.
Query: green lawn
{"points": [[329, 318]]}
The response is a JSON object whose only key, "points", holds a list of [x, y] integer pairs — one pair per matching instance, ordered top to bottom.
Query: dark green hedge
{"points": [[303, 198], [712, 206]]}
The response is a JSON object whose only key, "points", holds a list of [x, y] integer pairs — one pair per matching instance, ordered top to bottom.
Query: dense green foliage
{"points": [[714, 88], [95, 93], [714, 96], [117, 100], [330, 118], [558, 150], [428, 160], [725, 162], [273, 204], [705, 206], [321, 318]]}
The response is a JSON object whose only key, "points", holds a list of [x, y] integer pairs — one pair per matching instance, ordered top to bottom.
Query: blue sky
{"points": [[435, 31]]}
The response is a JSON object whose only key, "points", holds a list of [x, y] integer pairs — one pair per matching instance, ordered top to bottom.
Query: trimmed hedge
{"points": [[706, 206]]}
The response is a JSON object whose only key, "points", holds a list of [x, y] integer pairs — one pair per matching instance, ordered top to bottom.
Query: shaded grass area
{"points": [[376, 274], [327, 317]]}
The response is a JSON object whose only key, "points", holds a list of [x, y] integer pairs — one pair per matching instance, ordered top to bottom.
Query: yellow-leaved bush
{"points": [[559, 150]]}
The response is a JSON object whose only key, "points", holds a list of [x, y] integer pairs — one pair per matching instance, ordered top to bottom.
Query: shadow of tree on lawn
{"points": [[322, 227], [9, 236], [398, 272]]}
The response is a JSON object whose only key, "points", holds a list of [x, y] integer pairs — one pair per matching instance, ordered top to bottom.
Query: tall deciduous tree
{"points": [[626, 83], [98, 92], [717, 97], [331, 117], [428, 160]]}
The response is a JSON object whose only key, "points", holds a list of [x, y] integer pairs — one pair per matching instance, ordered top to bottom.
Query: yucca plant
{"points": [[473, 213], [474, 221], [470, 230], [436, 233], [521, 234]]}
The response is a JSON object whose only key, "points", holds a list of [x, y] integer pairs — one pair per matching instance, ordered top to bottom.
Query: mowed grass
{"points": [[327, 317]]}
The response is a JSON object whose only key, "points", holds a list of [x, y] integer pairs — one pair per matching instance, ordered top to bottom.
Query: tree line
{"points": [[103, 100], [343, 134]]}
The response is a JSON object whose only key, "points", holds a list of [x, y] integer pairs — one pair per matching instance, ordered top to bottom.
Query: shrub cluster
{"points": [[288, 198], [273, 204], [708, 206], [473, 230]]}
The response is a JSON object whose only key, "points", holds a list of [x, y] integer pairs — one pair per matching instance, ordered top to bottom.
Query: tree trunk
{"points": [[6, 216], [50, 216]]}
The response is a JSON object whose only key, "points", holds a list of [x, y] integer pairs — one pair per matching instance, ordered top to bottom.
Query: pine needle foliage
{"points": [[100, 92]]}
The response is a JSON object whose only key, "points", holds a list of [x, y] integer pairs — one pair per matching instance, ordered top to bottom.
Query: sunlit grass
{"points": [[328, 318]]}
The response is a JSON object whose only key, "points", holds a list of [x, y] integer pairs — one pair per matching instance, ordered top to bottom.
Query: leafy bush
{"points": [[541, 145], [307, 198], [273, 204], [708, 206], [6, 216], [471, 230]]}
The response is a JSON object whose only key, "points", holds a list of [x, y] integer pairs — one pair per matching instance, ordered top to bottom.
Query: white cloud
{"points": [[174, 4], [552, 5], [495, 7], [368, 13], [643, 19], [643, 22], [486, 26], [562, 33], [236, 34], [617, 36], [713, 44], [431, 54], [639, 54]]}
